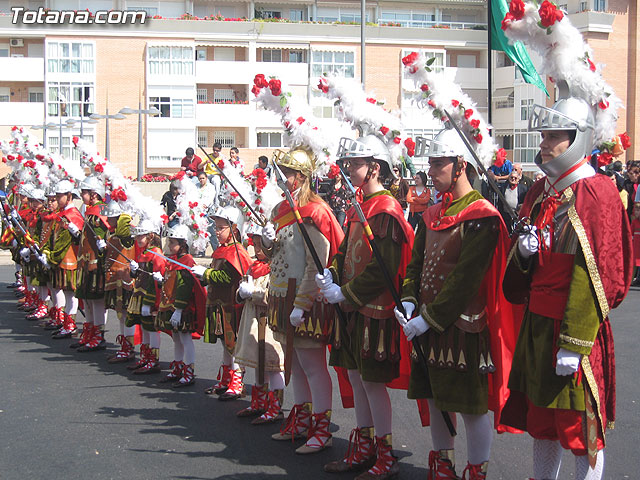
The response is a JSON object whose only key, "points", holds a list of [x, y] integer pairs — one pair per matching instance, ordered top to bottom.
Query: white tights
{"points": [[57, 297], [70, 303], [95, 311], [124, 330], [151, 338], [183, 348], [229, 360], [310, 378], [373, 406], [547, 458]]}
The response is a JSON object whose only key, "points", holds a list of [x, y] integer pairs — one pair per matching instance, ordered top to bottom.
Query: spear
{"points": [[168, 259]]}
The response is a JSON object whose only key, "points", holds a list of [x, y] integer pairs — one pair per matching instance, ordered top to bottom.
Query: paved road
{"points": [[69, 415]]}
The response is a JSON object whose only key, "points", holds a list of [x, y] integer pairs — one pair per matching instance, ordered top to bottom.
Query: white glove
{"points": [[73, 230], [268, 234], [14, 243], [528, 243], [101, 244], [25, 253], [42, 258], [133, 266], [198, 270], [158, 277], [325, 279], [246, 289], [333, 293], [408, 308], [145, 311], [176, 317], [296, 317], [415, 327], [567, 362]]}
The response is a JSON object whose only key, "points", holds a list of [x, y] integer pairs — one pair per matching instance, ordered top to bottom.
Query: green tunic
{"points": [[59, 244], [40, 274], [90, 283], [118, 295], [183, 295], [220, 304], [361, 348], [454, 390]]}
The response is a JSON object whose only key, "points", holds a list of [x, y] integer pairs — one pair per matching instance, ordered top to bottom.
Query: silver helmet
{"points": [[569, 114], [446, 144], [367, 146], [94, 184], [64, 186], [25, 189], [51, 191], [37, 194], [112, 209], [229, 213], [146, 226], [179, 231]]}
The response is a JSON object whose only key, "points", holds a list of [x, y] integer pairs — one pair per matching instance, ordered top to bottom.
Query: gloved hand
{"points": [[73, 230], [268, 234], [14, 243], [528, 243], [101, 244], [25, 253], [42, 258], [133, 266], [198, 270], [158, 277], [325, 279], [246, 289], [333, 293], [408, 308], [145, 311], [176, 317], [296, 317], [415, 327], [567, 362]]}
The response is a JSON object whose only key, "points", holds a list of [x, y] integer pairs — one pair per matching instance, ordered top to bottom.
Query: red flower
{"points": [[516, 8], [549, 14], [506, 21], [410, 59], [592, 66], [413, 69], [259, 81], [323, 86], [276, 87], [424, 87], [255, 90], [371, 100], [455, 102], [432, 104], [604, 104], [468, 112], [300, 120], [474, 122], [384, 130], [478, 138], [397, 140], [625, 140], [75, 141], [409, 143], [411, 152], [501, 156], [11, 157], [40, 157], [20, 158], [604, 159], [220, 163], [99, 168], [334, 171], [233, 194], [119, 195], [258, 201], [242, 204], [178, 214]]}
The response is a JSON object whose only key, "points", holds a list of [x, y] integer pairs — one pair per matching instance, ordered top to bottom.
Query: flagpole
{"points": [[489, 63]]}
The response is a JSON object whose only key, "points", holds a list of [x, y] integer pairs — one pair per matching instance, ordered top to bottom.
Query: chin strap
{"points": [[447, 197]]}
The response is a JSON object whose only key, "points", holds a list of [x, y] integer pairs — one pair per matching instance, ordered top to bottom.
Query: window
{"points": [[599, 5], [583, 6], [151, 11], [271, 14], [296, 15], [4, 50], [201, 54], [224, 54], [271, 55], [296, 56], [70, 57], [170, 60], [466, 61], [340, 63], [436, 66], [5, 94], [201, 94], [36, 95], [224, 95], [70, 99], [161, 103], [181, 108], [525, 108], [203, 137], [226, 139], [269, 139], [507, 142], [53, 143]]}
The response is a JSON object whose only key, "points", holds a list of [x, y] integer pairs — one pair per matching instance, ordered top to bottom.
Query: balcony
{"points": [[599, 22], [22, 69], [243, 72], [504, 77], [467, 78], [21, 113]]}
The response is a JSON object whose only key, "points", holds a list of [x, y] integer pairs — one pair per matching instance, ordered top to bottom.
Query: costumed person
{"points": [[16, 214], [50, 220], [63, 255], [230, 262], [573, 264], [91, 268], [38, 272], [118, 283], [28, 301], [143, 305], [180, 310], [301, 321], [256, 347], [370, 348]]}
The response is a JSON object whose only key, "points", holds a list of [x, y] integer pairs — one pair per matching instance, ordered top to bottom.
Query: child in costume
{"points": [[50, 220]]}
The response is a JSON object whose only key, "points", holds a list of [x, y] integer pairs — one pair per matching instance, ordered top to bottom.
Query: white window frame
{"points": [[296, 12], [4, 47], [201, 54], [268, 55], [71, 57], [170, 60], [326, 61], [38, 92], [5, 94], [201, 95], [223, 95], [71, 99], [162, 103], [526, 104], [182, 108], [203, 137], [268, 137], [226, 138]]}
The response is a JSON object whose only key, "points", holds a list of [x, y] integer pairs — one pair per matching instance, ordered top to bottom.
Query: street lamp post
{"points": [[153, 111], [106, 116], [44, 127]]}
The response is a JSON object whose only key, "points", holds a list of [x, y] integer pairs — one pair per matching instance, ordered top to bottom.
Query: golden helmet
{"points": [[299, 159]]}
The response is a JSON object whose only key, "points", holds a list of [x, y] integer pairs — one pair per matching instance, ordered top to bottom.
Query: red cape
{"points": [[97, 210], [73, 215], [321, 216], [239, 259], [259, 269], [199, 305], [503, 318]]}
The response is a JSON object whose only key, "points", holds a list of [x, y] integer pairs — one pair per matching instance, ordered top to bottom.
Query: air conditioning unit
{"points": [[16, 42]]}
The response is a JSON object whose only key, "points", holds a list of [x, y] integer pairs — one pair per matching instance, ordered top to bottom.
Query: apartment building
{"points": [[195, 61]]}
